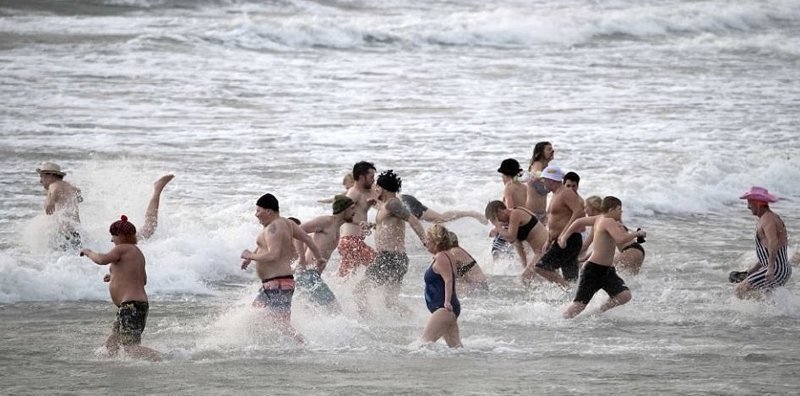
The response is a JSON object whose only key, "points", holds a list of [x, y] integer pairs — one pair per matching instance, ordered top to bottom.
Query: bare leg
{"points": [[151, 215], [630, 260], [552, 276], [360, 294], [392, 299], [619, 299], [574, 310], [438, 325], [452, 336], [112, 344], [140, 352]]}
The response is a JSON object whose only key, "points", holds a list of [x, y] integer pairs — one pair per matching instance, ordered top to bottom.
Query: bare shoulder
{"points": [[397, 209]]}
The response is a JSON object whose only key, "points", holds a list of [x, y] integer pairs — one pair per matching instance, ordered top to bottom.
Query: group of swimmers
{"points": [[568, 239]]}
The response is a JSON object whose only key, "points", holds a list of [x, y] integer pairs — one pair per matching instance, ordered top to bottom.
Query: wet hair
{"points": [[538, 152], [362, 168], [572, 176], [389, 181], [268, 201], [595, 203], [610, 203], [492, 208], [295, 220], [124, 230], [439, 236], [453, 239]]}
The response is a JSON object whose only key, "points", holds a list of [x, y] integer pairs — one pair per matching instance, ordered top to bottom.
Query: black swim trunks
{"points": [[413, 205], [566, 258], [388, 267], [595, 277], [130, 322]]}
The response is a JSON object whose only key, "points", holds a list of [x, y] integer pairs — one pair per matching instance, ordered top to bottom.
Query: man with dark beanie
{"points": [[274, 256]]}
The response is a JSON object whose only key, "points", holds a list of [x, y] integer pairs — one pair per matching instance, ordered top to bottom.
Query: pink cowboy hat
{"points": [[759, 194]]}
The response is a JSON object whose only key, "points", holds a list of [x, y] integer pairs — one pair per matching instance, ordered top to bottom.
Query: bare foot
{"points": [[162, 182]]}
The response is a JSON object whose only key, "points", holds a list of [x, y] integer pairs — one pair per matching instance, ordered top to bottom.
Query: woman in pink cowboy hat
{"points": [[773, 268]]}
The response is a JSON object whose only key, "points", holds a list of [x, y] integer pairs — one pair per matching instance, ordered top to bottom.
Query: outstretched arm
{"points": [[103, 258]]}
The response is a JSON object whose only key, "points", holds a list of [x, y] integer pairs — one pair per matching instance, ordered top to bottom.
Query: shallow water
{"points": [[674, 107]]}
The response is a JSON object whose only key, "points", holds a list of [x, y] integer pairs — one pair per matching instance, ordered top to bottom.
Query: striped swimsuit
{"points": [[783, 269]]}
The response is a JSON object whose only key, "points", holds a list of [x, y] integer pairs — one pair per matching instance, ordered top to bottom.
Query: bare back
{"points": [[515, 194], [62, 200], [536, 200], [771, 226], [324, 231], [278, 237], [128, 276]]}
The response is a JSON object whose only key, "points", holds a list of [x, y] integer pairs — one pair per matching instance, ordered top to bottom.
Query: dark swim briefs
{"points": [[566, 258], [388, 267], [595, 277], [310, 281], [276, 294], [130, 322]]}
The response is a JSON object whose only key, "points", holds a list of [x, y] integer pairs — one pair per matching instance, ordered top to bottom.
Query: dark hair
{"points": [[538, 152], [362, 168], [573, 177], [389, 181], [609, 203], [294, 219]]}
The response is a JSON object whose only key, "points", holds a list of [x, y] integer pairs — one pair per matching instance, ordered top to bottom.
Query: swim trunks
{"points": [[413, 205], [70, 241], [354, 253], [566, 259], [389, 267], [595, 277], [309, 281], [275, 295], [130, 322]]}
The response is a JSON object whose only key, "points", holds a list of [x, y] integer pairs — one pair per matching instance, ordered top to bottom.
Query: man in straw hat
{"points": [[62, 200], [325, 233], [773, 268]]}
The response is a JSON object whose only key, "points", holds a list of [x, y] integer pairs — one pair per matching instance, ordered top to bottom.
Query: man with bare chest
{"points": [[565, 207], [353, 250], [273, 257], [391, 262]]}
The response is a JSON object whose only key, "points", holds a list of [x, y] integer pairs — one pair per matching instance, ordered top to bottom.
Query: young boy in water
{"points": [[598, 273], [127, 279]]}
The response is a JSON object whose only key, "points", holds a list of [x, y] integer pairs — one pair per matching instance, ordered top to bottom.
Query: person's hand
{"points": [[371, 201], [641, 233], [562, 241], [84, 252], [246, 258], [321, 264], [770, 275], [107, 278], [448, 306]]}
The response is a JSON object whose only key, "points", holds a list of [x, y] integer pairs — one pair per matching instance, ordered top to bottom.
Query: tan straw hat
{"points": [[51, 168]]}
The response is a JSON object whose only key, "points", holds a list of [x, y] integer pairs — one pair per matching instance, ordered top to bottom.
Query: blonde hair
{"points": [[348, 179], [595, 203], [492, 208], [440, 237]]}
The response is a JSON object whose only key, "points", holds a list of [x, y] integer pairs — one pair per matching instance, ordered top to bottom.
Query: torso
{"points": [[518, 193], [536, 199], [362, 202], [558, 214], [390, 231], [326, 238], [603, 246], [282, 266], [128, 276]]}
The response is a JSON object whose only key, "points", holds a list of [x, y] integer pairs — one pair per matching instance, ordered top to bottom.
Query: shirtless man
{"points": [[514, 195], [63, 198], [62, 201], [565, 207], [325, 233], [353, 250], [274, 256], [391, 263], [773, 268], [599, 273], [126, 282]]}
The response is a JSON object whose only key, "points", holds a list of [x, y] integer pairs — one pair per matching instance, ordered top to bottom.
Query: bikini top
{"points": [[525, 229]]}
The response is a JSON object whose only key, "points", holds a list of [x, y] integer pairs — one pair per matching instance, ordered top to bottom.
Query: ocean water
{"points": [[675, 107]]}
